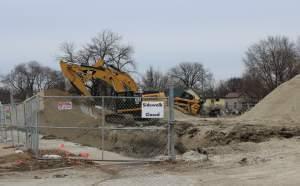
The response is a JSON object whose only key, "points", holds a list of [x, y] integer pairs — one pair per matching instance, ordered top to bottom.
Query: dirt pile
{"points": [[281, 106], [51, 115], [192, 137]]}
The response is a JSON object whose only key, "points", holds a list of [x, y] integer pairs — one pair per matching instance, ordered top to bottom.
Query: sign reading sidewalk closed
{"points": [[67, 105], [152, 109]]}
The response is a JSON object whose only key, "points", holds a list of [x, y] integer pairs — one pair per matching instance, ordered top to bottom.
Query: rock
{"points": [[22, 149], [19, 152], [194, 156], [52, 157], [162, 158], [244, 161], [60, 176], [37, 177]]}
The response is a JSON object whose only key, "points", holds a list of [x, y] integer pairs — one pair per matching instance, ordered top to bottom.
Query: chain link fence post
{"points": [[36, 115], [11, 116], [29, 122], [1, 123], [17, 124], [5, 125], [26, 126], [102, 130], [171, 132]]}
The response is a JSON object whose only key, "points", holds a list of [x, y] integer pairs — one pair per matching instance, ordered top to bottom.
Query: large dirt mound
{"points": [[281, 106]]}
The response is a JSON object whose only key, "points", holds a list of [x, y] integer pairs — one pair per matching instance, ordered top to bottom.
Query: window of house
{"points": [[235, 105]]}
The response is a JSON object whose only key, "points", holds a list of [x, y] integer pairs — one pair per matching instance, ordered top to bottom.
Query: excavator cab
{"points": [[128, 102]]}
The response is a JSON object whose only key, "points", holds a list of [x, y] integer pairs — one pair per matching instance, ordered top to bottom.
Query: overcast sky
{"points": [[162, 32]]}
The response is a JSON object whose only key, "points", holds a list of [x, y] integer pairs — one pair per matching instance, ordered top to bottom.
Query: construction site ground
{"points": [[262, 147], [272, 162]]}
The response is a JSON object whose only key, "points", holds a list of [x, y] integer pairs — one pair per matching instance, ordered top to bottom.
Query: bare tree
{"points": [[107, 45], [298, 47], [69, 53], [298, 54], [273, 61], [192, 75], [29, 78], [49, 78], [154, 80], [207, 84], [234, 84], [253, 87], [4, 95]]}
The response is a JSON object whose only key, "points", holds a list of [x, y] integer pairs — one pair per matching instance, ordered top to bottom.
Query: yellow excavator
{"points": [[124, 86]]}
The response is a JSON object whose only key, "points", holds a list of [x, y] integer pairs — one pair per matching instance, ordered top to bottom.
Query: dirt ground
{"points": [[192, 133], [212, 151], [238, 154], [273, 162]]}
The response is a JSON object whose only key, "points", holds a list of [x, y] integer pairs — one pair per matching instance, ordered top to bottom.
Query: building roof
{"points": [[233, 95]]}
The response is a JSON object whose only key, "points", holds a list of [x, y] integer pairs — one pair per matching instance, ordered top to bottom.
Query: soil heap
{"points": [[281, 106]]}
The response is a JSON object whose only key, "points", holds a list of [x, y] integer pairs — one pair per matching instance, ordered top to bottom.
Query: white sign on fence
{"points": [[67, 105], [152, 109]]}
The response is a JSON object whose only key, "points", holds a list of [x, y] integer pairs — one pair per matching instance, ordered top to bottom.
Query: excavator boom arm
{"points": [[79, 75], [74, 78]]}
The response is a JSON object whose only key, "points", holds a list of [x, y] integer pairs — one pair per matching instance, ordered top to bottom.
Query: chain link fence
{"points": [[18, 124], [102, 128]]}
